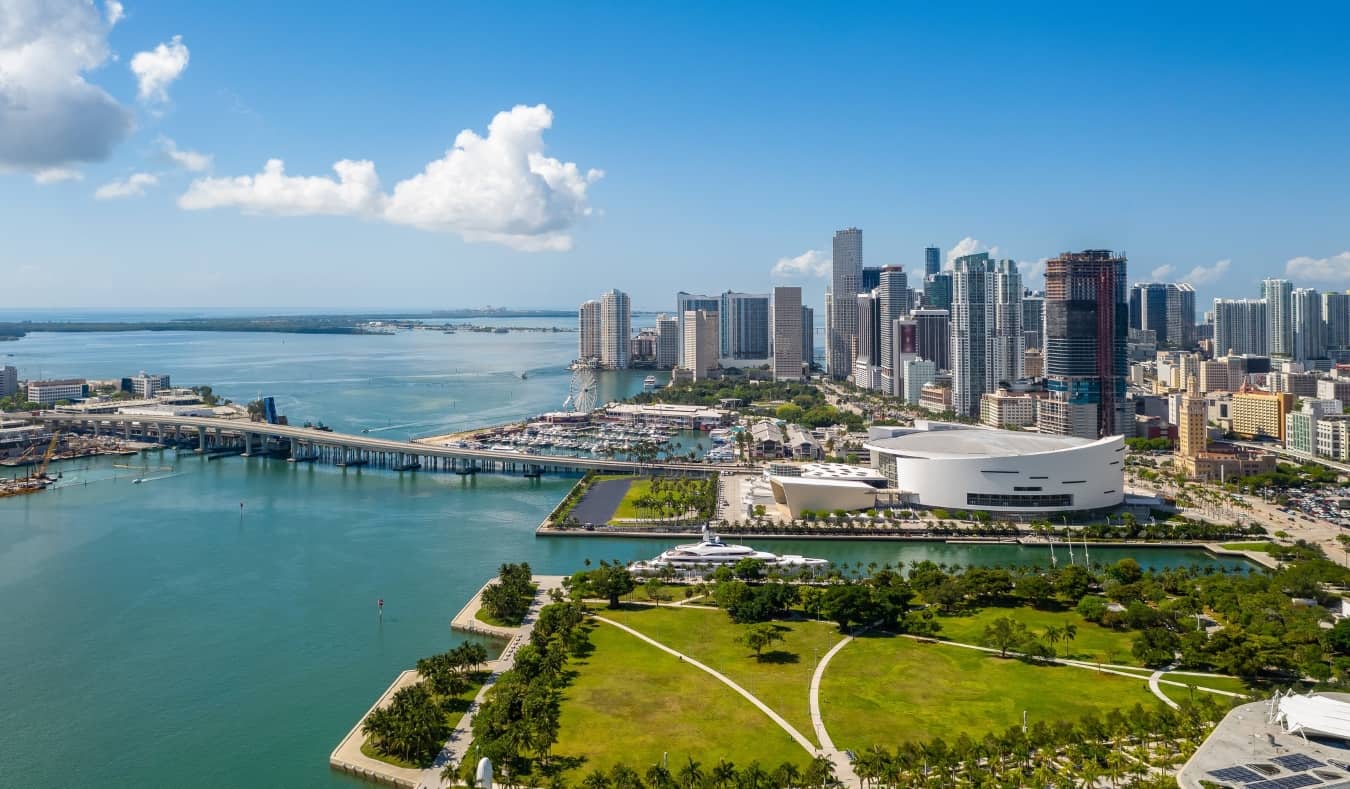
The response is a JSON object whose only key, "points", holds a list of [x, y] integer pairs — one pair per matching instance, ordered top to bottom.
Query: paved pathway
{"points": [[1157, 691], [801, 739], [843, 766]]}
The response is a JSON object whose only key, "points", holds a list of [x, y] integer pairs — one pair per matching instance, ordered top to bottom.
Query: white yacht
{"points": [[649, 382], [711, 552]]}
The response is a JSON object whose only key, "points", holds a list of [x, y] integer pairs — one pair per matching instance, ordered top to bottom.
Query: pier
{"points": [[216, 437]]}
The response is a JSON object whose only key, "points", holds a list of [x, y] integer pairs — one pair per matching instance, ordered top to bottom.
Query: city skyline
{"points": [[199, 153]]}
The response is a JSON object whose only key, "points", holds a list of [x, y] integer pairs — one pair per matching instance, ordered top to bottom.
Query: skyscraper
{"points": [[932, 261], [871, 279], [844, 286], [937, 291], [687, 302], [892, 303], [1148, 310], [1181, 315], [1336, 315], [1279, 316], [1306, 317], [1033, 319], [744, 320], [616, 322], [972, 324], [1086, 325], [1240, 327], [588, 331], [787, 333], [1006, 335], [934, 336], [808, 338], [667, 341], [702, 341], [867, 361], [9, 380], [1192, 435]]}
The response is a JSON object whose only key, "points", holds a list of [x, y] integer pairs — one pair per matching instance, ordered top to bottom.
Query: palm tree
{"points": [[820, 772], [723, 774], [691, 775], [621, 776], [787, 776], [658, 777], [596, 780]]}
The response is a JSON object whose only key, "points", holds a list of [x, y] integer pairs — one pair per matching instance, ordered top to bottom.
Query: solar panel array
{"points": [[1297, 762], [1242, 775], [1288, 782]]}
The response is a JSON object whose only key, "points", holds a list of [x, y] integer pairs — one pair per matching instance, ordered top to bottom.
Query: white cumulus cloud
{"points": [[115, 12], [156, 69], [50, 117], [191, 161], [56, 175], [133, 186], [500, 188], [969, 246], [811, 263], [1334, 269], [1033, 272], [1160, 274], [1207, 275]]}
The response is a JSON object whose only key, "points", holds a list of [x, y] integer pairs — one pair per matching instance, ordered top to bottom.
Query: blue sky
{"points": [[709, 143]]}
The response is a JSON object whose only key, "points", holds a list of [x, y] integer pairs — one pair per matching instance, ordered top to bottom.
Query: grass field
{"points": [[638, 489], [1263, 547], [1093, 642], [781, 680], [1231, 684], [883, 691], [631, 703]]}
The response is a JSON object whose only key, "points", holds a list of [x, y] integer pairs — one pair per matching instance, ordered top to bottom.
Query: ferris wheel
{"points": [[581, 393]]}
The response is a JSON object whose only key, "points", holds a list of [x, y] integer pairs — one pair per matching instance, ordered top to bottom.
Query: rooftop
{"points": [[954, 442]]}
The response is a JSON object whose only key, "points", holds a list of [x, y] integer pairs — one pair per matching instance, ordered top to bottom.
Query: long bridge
{"points": [[213, 435]]}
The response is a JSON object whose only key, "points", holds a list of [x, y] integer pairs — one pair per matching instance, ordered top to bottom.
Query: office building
{"points": [[932, 261], [870, 280], [845, 283], [937, 291], [1278, 295], [692, 302], [892, 304], [1148, 309], [1180, 315], [1336, 316], [1306, 317], [1033, 319], [744, 321], [616, 322], [1086, 324], [972, 326], [1240, 327], [933, 328], [588, 332], [787, 333], [808, 338], [667, 341], [1008, 342], [702, 343], [866, 362], [1033, 363], [915, 375], [9, 380], [145, 385], [53, 392], [1007, 409], [1258, 414], [1192, 434]]}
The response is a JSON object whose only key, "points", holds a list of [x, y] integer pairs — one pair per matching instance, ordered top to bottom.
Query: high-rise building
{"points": [[932, 261], [870, 280], [845, 282], [937, 291], [1278, 294], [692, 302], [892, 303], [1148, 310], [1181, 315], [1306, 316], [1336, 316], [1033, 319], [744, 320], [616, 325], [1086, 325], [1240, 327], [972, 329], [1006, 330], [588, 331], [787, 333], [934, 334], [808, 338], [667, 341], [702, 342], [904, 347], [867, 359], [915, 375], [9, 380], [1192, 435]]}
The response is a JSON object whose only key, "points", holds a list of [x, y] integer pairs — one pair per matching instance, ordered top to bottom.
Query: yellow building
{"points": [[1258, 414], [1192, 437]]}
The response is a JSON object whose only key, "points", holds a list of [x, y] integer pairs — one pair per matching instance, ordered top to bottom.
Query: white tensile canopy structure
{"points": [[1319, 716]]}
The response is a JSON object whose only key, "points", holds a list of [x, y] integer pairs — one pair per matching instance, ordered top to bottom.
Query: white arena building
{"points": [[965, 467]]}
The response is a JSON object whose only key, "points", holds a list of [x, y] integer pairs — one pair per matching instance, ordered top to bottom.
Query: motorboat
{"points": [[649, 382], [711, 552]]}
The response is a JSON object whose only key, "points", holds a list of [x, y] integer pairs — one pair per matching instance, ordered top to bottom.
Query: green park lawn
{"points": [[636, 490], [1263, 547], [1093, 642], [782, 680], [1230, 684], [887, 690], [630, 702]]}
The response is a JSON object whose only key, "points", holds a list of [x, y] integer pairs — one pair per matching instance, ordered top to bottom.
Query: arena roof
{"points": [[953, 442]]}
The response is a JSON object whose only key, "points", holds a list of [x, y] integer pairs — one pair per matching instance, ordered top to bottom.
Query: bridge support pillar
{"points": [[201, 439], [248, 443]]}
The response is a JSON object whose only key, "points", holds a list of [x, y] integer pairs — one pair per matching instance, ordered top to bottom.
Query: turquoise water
{"points": [[154, 636]]}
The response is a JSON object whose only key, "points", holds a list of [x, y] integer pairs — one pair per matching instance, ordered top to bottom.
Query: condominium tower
{"points": [[844, 286], [1278, 294], [616, 322], [1240, 327], [588, 331], [787, 333]]}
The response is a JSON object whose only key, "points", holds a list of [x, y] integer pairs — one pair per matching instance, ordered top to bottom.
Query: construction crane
{"points": [[47, 456]]}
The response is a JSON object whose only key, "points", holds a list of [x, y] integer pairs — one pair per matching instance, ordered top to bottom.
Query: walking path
{"points": [[1157, 691], [347, 755], [843, 766]]}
